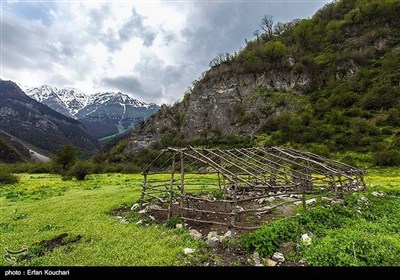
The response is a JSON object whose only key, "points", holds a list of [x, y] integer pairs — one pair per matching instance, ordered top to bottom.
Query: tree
{"points": [[267, 25], [65, 157]]}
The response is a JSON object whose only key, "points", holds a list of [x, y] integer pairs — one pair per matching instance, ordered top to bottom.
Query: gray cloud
{"points": [[133, 27], [123, 83], [132, 85]]}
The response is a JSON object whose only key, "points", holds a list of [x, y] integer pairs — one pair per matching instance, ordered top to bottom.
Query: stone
{"points": [[378, 194], [294, 196], [326, 198], [270, 199], [261, 200], [362, 200], [311, 201], [336, 201], [297, 203], [135, 206], [154, 207], [239, 208], [141, 212], [119, 217], [152, 218], [140, 222], [179, 226], [163, 233], [195, 234], [212, 234], [228, 234], [306, 239], [212, 242], [188, 251], [278, 257], [256, 259], [271, 262], [302, 262]]}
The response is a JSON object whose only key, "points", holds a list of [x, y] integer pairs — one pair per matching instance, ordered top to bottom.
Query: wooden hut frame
{"points": [[179, 180]]}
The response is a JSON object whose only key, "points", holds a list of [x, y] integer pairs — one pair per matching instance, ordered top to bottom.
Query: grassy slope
{"points": [[42, 207], [83, 209]]}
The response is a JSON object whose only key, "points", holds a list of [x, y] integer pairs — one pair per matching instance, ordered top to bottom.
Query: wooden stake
{"points": [[182, 185], [171, 187], [143, 189]]}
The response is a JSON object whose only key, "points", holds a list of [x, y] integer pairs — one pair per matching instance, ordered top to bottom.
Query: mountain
{"points": [[329, 83], [103, 114], [32, 122], [11, 151]]}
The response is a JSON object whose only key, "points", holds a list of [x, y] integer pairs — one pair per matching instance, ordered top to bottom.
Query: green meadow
{"points": [[43, 206]]}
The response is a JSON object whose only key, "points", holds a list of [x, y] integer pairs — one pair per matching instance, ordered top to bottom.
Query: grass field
{"points": [[42, 207]]}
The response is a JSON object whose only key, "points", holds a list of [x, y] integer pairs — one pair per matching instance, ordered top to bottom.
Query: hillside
{"points": [[329, 83], [104, 114], [36, 124], [11, 151]]}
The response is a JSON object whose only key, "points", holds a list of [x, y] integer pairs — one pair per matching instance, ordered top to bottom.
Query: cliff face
{"points": [[221, 104]]}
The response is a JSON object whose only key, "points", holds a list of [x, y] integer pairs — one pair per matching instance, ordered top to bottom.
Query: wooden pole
{"points": [[182, 185], [171, 186], [143, 189], [303, 196], [233, 217]]}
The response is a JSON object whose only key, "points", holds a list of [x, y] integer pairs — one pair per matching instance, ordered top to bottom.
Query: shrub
{"points": [[387, 158], [80, 169], [7, 178]]}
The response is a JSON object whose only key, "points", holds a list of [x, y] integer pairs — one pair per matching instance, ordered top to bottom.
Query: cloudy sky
{"points": [[152, 50]]}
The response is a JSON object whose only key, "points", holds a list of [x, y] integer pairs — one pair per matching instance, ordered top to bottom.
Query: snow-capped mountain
{"points": [[65, 101], [103, 113]]}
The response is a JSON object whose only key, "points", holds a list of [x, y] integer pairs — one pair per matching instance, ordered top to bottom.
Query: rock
{"points": [[378, 194], [294, 196], [326, 198], [270, 199], [261, 200], [362, 200], [311, 201], [336, 201], [297, 203], [135, 206], [154, 207], [239, 208], [358, 211], [141, 212], [119, 217], [152, 218], [140, 222], [178, 226], [163, 233], [195, 234], [212, 234], [228, 234], [306, 239], [212, 242], [188, 251], [278, 257], [256, 259], [271, 262], [302, 262]]}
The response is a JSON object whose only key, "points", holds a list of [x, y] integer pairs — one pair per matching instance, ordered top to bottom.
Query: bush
{"points": [[387, 158], [80, 169], [7, 178]]}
